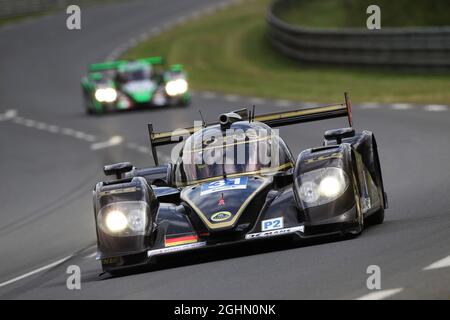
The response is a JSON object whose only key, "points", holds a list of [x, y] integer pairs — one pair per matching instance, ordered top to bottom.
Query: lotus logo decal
{"points": [[221, 216]]}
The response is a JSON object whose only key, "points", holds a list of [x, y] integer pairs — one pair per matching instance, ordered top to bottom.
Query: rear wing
{"points": [[113, 65], [273, 120]]}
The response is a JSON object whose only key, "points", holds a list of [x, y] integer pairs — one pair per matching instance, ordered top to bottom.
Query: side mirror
{"points": [[339, 134], [117, 169]]}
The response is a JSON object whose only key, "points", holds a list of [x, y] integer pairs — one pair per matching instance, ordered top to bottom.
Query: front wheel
{"points": [[87, 103], [377, 217], [359, 228]]}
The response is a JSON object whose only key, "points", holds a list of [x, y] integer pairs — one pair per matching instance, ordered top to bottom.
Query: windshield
{"points": [[135, 73], [242, 150]]}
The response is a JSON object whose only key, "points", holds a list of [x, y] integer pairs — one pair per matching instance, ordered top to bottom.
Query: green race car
{"points": [[124, 85]]}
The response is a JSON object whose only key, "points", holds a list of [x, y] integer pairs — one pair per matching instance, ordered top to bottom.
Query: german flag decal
{"points": [[171, 241]]}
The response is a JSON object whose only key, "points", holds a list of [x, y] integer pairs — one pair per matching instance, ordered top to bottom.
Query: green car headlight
{"points": [[176, 87], [106, 95]]}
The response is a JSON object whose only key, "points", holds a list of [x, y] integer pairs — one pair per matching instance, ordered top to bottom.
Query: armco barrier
{"points": [[409, 47]]}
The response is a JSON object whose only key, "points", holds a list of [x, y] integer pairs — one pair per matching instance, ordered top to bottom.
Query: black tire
{"points": [[185, 102], [87, 104], [89, 111], [377, 217], [358, 230], [116, 273]]}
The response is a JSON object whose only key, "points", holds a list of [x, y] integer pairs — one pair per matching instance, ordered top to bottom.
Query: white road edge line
{"points": [[208, 95], [232, 98], [257, 100], [284, 103], [369, 105], [401, 106], [436, 108], [9, 114], [113, 141], [90, 256], [443, 263], [26, 275], [381, 294]]}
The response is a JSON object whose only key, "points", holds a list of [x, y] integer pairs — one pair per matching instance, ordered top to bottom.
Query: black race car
{"points": [[236, 181]]}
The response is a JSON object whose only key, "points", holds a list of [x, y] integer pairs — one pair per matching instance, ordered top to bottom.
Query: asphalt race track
{"points": [[51, 155]]}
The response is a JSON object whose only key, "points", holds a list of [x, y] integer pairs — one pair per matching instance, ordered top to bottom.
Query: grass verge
{"points": [[228, 52]]}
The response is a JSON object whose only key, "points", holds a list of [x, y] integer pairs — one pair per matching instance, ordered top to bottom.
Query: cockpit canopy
{"points": [[135, 71], [242, 149]]}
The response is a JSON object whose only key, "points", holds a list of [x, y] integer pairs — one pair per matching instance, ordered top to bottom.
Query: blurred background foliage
{"points": [[229, 52]]}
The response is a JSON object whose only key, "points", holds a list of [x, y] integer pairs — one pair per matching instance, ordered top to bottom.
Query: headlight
{"points": [[176, 87], [106, 95], [321, 186], [309, 192], [124, 218], [116, 221]]}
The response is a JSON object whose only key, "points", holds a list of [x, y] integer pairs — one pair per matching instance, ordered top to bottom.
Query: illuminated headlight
{"points": [[176, 87], [106, 95], [321, 186], [330, 187], [124, 218], [116, 221]]}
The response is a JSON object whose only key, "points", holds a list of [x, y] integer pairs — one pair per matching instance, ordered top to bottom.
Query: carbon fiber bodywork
{"points": [[192, 217]]}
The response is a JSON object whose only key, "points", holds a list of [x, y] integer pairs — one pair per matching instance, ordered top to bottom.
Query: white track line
{"points": [[195, 15], [181, 20], [167, 26], [155, 31], [143, 36], [208, 95], [232, 98], [257, 100], [283, 103], [310, 104], [369, 105], [401, 106], [436, 108], [8, 115], [18, 120], [29, 123], [41, 126], [53, 129], [68, 131], [89, 138], [113, 141], [131, 145], [143, 149], [90, 256], [444, 263], [26, 275], [381, 294]]}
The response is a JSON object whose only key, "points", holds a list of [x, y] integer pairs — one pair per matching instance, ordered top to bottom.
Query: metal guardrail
{"points": [[407, 47]]}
